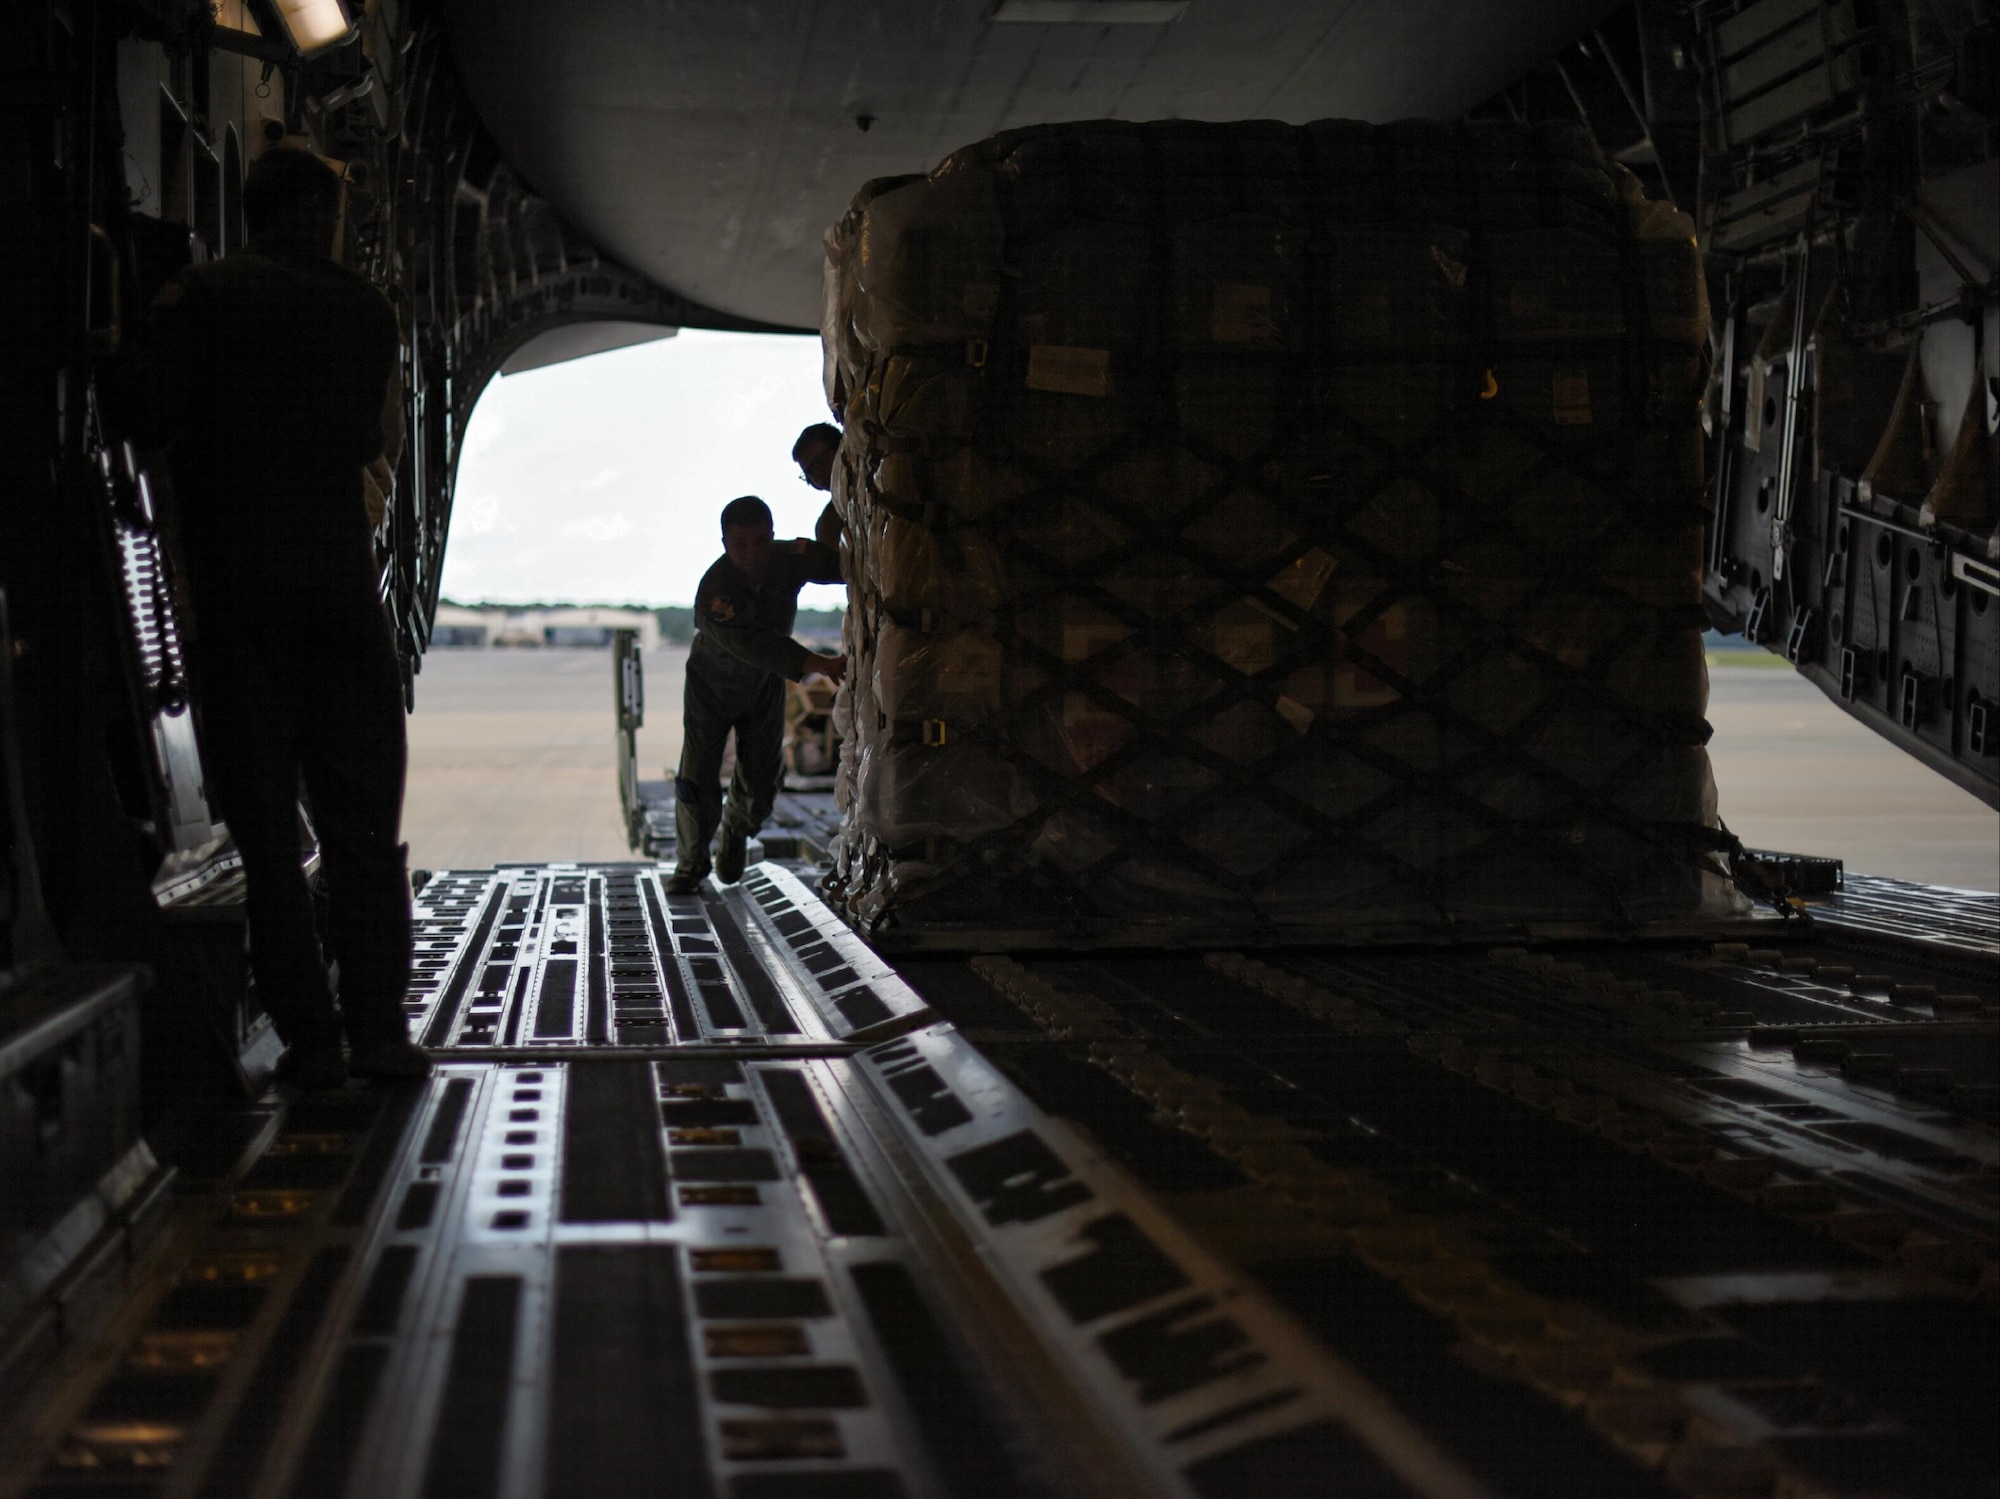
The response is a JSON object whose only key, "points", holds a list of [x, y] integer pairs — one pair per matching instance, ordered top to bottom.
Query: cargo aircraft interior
{"points": [[1261, 998]]}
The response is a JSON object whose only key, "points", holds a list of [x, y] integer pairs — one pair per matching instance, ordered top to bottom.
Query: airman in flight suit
{"points": [[273, 376], [814, 452], [743, 655]]}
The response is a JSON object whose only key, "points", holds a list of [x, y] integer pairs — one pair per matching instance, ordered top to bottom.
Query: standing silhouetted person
{"points": [[273, 374], [815, 452], [743, 655]]}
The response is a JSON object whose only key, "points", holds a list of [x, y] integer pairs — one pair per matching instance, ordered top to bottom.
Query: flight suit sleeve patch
{"points": [[721, 610]]}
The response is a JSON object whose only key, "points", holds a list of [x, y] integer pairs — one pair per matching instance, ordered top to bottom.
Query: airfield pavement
{"points": [[511, 758]]}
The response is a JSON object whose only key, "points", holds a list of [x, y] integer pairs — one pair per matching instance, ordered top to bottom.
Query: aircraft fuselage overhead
{"points": [[1246, 985]]}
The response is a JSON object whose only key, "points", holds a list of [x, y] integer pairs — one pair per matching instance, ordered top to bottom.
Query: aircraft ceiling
{"points": [[709, 143]]}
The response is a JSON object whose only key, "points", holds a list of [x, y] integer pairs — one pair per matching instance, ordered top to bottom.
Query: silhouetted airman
{"points": [[273, 375], [814, 452], [743, 655]]}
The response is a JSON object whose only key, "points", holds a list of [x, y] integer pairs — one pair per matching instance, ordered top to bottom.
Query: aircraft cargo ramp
{"points": [[704, 1197]]}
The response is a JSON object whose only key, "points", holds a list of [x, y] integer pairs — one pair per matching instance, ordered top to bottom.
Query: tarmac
{"points": [[513, 755], [512, 759], [1796, 774]]}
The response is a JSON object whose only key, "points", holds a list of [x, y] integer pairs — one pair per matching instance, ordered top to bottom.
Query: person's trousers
{"points": [[314, 698], [710, 710]]}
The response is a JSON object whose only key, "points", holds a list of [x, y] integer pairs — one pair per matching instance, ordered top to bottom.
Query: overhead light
{"points": [[1090, 12], [313, 24], [279, 31]]}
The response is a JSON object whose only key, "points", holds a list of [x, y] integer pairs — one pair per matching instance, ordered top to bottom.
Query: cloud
{"points": [[482, 435], [658, 437], [478, 515], [599, 528]]}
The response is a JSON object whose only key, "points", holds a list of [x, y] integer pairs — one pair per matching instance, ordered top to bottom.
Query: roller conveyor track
{"points": [[1964, 921], [706, 1197]]}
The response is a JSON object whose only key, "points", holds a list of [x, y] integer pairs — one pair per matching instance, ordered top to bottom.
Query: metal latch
{"points": [[1753, 623], [1799, 641], [1853, 672], [1915, 705]]}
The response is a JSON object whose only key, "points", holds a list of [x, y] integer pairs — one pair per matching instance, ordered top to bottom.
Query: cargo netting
{"points": [[1270, 531]]}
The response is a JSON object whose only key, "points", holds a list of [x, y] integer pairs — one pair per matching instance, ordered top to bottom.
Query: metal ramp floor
{"points": [[705, 1197]]}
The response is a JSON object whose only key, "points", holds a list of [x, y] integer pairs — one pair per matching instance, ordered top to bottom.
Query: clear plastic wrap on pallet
{"points": [[1270, 529]]}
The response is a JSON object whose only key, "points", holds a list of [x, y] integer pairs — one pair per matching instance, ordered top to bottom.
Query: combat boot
{"points": [[691, 843], [731, 846], [391, 1059], [312, 1063]]}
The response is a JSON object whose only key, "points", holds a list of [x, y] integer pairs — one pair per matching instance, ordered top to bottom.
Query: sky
{"points": [[600, 480]]}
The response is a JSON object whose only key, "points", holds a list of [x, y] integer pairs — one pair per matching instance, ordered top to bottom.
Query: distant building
{"points": [[557, 626], [457, 637]]}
